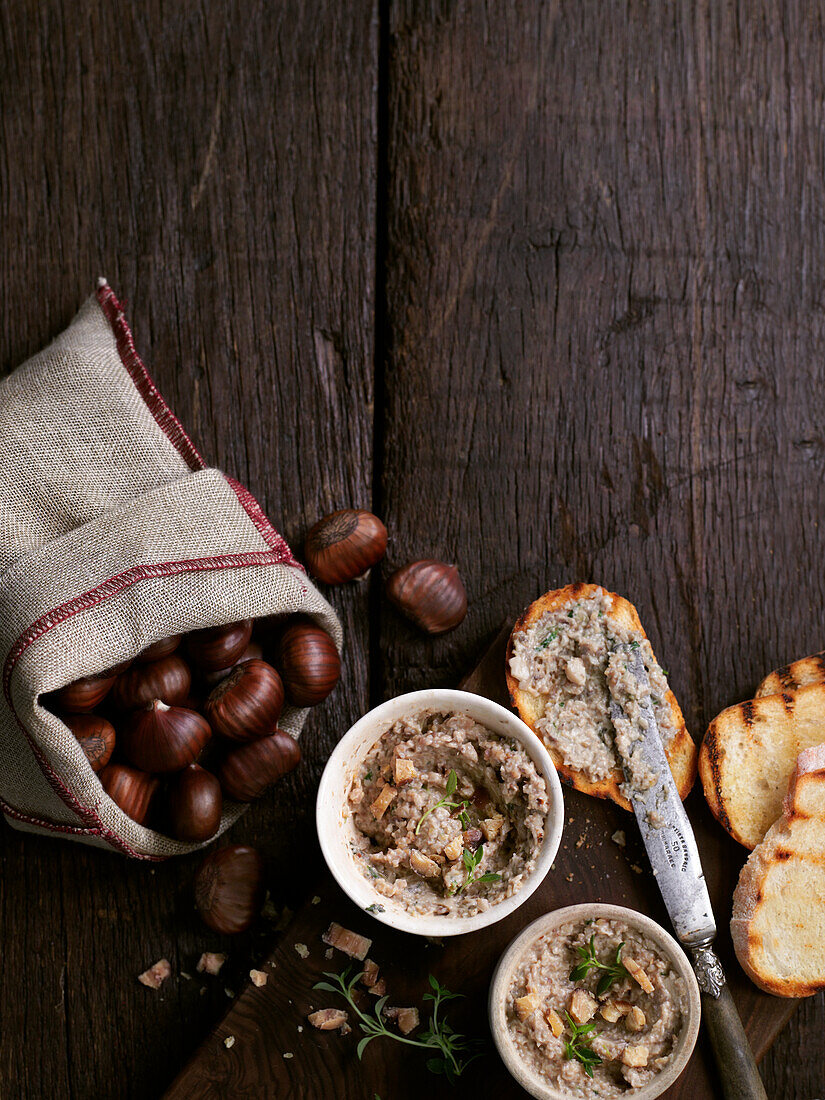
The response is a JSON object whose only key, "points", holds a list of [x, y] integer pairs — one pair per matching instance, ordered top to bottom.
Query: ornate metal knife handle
{"points": [[709, 972]]}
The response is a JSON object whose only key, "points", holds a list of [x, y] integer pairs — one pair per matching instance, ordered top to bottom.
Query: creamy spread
{"points": [[568, 660], [448, 817], [636, 1021]]}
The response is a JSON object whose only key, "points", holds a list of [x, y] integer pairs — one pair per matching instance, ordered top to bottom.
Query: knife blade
{"points": [[665, 828], [674, 856]]}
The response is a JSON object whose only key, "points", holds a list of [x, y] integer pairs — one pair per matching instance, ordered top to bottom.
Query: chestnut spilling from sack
{"points": [[194, 719]]}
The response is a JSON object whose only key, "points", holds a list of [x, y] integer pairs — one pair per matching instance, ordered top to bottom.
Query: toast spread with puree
{"points": [[559, 668], [749, 753], [778, 923]]}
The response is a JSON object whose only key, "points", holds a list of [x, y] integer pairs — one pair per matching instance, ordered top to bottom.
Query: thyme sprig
{"points": [[462, 806], [471, 861], [613, 971], [578, 1045], [453, 1052]]}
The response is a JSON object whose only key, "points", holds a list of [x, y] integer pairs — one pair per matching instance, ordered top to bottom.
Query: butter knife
{"points": [[674, 857]]}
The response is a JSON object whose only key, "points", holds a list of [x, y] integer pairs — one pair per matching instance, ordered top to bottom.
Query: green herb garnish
{"points": [[545, 642], [634, 645], [368, 777], [462, 806], [471, 861], [376, 907], [612, 970], [578, 1046], [454, 1052]]}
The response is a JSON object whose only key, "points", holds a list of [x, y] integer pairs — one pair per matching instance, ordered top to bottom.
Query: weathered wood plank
{"points": [[217, 163], [604, 333]]}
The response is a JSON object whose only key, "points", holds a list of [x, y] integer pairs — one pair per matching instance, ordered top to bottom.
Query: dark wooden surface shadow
{"points": [[277, 1054]]}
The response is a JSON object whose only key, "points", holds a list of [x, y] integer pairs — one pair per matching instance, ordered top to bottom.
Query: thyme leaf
{"points": [[471, 861]]}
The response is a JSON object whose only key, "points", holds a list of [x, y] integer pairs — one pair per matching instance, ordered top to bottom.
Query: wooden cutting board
{"points": [[275, 1052]]}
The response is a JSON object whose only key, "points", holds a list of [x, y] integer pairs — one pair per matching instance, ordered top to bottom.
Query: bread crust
{"points": [[807, 670], [681, 753], [775, 925]]}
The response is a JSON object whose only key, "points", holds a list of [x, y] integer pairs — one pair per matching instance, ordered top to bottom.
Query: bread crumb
{"points": [[619, 838], [636, 869], [316, 900], [302, 950], [328, 953], [210, 962], [156, 975], [258, 977], [228, 992], [229, 1041], [289, 1054]]}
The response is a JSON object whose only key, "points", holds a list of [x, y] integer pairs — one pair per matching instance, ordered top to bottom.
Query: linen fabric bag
{"points": [[113, 535]]}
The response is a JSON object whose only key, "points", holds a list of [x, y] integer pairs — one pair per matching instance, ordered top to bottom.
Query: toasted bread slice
{"points": [[807, 670], [681, 751], [749, 753], [778, 923]]}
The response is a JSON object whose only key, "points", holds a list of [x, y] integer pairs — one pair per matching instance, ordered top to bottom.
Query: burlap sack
{"points": [[113, 534]]}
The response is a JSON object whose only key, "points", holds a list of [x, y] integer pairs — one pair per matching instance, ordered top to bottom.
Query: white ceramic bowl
{"points": [[334, 822], [523, 944]]}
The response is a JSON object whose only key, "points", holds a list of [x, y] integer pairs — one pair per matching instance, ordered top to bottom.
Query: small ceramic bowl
{"points": [[334, 822], [523, 944]]}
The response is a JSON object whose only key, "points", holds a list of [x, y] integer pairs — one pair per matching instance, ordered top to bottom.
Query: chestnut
{"points": [[344, 545], [430, 593], [219, 646], [157, 650], [252, 652], [309, 662], [168, 679], [85, 694], [247, 704], [96, 737], [159, 738], [246, 771], [131, 789], [195, 804], [229, 888]]}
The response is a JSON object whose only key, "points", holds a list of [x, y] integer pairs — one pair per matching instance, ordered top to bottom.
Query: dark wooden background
{"points": [[540, 283]]}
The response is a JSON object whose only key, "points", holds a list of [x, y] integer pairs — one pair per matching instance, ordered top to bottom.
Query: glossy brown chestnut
{"points": [[344, 545], [430, 593], [219, 646], [157, 650], [253, 652], [308, 661], [168, 680], [85, 694], [247, 704], [96, 737], [159, 738], [247, 771], [131, 789], [195, 803], [229, 888]]}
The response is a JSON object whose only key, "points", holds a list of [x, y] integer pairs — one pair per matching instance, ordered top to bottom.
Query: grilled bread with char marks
{"points": [[807, 670], [749, 753], [778, 923]]}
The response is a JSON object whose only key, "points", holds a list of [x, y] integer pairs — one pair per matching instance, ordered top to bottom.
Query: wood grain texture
{"points": [[217, 162], [603, 303], [600, 341]]}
